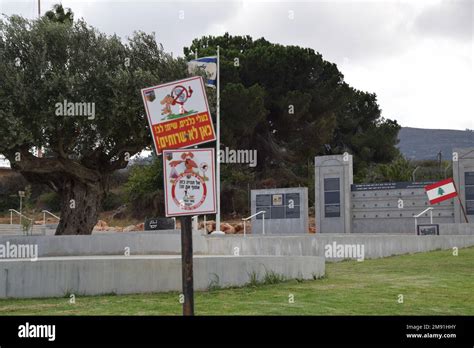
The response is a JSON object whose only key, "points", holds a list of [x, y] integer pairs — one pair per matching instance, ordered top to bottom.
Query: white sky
{"points": [[417, 55]]}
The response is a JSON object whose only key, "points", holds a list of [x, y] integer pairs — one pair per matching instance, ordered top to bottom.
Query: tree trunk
{"points": [[80, 205]]}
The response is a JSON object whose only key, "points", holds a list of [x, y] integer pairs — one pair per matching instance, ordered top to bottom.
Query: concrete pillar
{"points": [[463, 175], [333, 180]]}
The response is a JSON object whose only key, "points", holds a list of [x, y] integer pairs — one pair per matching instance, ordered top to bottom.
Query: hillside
{"points": [[418, 143]]}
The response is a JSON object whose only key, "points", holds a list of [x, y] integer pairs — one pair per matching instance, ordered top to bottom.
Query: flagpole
{"points": [[218, 144], [460, 202]]}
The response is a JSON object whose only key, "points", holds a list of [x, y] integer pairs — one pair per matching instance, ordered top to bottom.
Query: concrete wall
{"points": [[463, 161], [332, 167], [373, 208], [378, 210], [286, 225], [456, 229], [111, 243], [309, 244], [375, 246], [56, 277]]}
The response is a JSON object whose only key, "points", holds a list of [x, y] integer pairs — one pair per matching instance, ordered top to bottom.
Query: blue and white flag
{"points": [[207, 64]]}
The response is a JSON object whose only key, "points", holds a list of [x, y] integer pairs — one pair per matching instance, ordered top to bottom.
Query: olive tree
{"points": [[75, 92]]}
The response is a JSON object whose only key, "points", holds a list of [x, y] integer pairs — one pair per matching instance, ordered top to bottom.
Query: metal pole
{"points": [[39, 8], [218, 144], [413, 174], [460, 202], [21, 207], [463, 210], [431, 216], [11, 217], [263, 223], [245, 228], [187, 265]]}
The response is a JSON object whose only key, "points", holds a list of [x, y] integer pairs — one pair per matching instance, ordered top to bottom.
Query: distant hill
{"points": [[419, 143]]}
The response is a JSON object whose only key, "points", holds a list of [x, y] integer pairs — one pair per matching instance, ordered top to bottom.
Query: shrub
{"points": [[49, 201]]}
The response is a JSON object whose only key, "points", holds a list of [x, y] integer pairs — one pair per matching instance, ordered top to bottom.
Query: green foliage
{"points": [[59, 15], [52, 60], [47, 61], [290, 105], [400, 169], [144, 179], [9, 187], [144, 189], [50, 201], [112, 201], [26, 225], [272, 277], [253, 279]]}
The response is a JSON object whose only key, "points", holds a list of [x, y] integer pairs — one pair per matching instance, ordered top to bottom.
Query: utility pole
{"points": [[39, 8]]}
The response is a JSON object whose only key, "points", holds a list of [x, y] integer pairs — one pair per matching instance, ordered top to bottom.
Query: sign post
{"points": [[179, 117], [190, 182], [187, 265]]}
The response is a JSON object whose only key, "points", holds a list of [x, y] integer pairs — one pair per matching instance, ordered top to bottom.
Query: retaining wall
{"points": [[112, 243], [375, 246], [95, 275]]}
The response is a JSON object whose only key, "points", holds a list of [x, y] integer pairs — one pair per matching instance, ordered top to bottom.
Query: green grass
{"points": [[435, 283]]}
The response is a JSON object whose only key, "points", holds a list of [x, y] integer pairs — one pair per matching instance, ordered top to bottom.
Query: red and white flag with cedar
{"points": [[441, 191]]}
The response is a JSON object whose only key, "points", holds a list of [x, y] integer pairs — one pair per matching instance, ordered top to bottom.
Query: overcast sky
{"points": [[417, 55]]}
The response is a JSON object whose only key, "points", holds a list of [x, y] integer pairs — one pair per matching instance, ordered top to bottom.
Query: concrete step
{"points": [[16, 229]]}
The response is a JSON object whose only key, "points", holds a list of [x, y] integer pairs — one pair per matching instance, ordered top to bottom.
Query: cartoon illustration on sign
{"points": [[179, 96], [178, 114], [188, 189]]}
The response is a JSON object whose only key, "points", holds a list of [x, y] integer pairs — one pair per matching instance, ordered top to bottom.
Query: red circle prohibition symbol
{"points": [[176, 94], [180, 204]]}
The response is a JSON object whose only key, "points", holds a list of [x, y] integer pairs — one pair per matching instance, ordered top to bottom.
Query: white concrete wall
{"points": [[458, 228], [112, 243], [146, 243], [375, 246], [57, 277]]}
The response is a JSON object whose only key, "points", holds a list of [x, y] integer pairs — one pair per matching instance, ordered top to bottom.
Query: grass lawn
{"points": [[433, 283]]}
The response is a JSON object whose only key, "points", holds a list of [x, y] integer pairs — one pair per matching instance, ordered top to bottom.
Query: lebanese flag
{"points": [[441, 191]]}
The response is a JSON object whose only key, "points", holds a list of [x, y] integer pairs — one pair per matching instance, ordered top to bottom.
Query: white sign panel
{"points": [[178, 114], [190, 185]]}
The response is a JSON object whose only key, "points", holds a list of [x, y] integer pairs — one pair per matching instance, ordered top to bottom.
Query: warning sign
{"points": [[178, 114], [189, 182]]}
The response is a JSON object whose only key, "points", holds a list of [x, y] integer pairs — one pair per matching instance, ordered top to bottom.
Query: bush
{"points": [[9, 187], [144, 190], [49, 201], [113, 201]]}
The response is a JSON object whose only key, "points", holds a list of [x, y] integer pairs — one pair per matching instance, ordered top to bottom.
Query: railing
{"points": [[430, 209], [48, 212], [18, 213], [21, 215], [251, 216]]}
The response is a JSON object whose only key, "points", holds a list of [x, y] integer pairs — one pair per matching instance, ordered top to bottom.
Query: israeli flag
{"points": [[207, 64]]}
